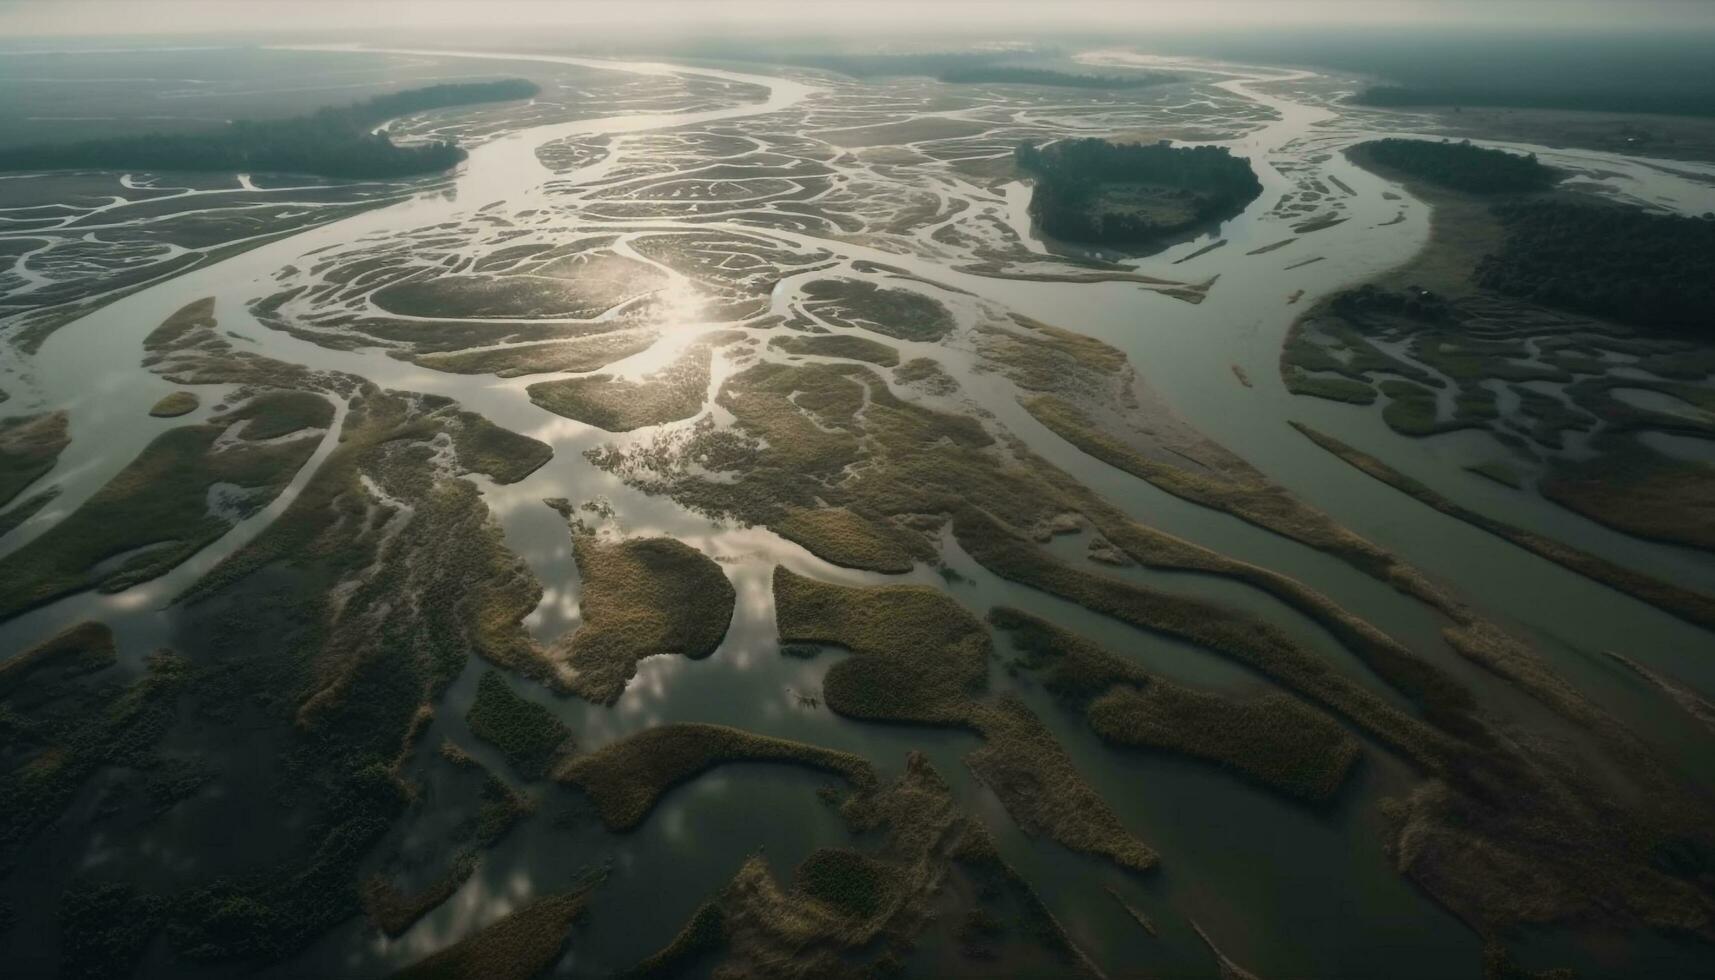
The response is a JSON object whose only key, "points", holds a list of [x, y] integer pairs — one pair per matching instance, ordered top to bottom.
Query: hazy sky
{"points": [[19, 18]]}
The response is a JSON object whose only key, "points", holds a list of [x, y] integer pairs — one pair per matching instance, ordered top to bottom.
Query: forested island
{"points": [[1584, 100], [338, 141], [1461, 166], [1091, 190], [1624, 264]]}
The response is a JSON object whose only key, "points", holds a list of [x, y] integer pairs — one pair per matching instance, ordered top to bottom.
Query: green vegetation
{"points": [[334, 142], [1460, 166], [1091, 190], [1621, 263], [902, 314], [838, 345], [571, 356], [675, 392], [173, 405], [29, 445], [154, 514], [835, 534], [642, 597], [920, 656], [63, 721], [528, 734], [1274, 739], [628, 777], [851, 883], [104, 929], [520, 946]]}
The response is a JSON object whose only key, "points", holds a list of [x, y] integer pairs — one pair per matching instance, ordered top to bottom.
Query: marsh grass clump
{"points": [[902, 314], [846, 346], [574, 356], [675, 392], [175, 404], [29, 445], [151, 516], [837, 535], [642, 597], [920, 656], [525, 732], [1274, 739], [628, 777], [844, 880], [105, 928], [702, 936], [522, 945]]}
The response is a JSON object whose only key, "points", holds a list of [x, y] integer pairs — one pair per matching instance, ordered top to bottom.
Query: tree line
{"points": [[338, 141], [1462, 166], [1200, 183], [1624, 264]]}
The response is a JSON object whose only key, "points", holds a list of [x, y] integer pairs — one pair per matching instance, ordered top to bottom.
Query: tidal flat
{"points": [[915, 595]]}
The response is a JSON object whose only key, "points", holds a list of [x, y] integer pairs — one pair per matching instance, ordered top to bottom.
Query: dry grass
{"points": [[844, 346], [574, 356], [675, 392], [175, 404], [29, 445], [837, 535], [642, 597], [628, 777], [520, 946]]}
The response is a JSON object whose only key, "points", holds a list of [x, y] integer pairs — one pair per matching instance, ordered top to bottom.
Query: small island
{"points": [[338, 141], [1127, 194]]}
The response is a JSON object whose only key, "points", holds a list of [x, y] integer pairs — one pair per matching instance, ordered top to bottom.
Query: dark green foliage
{"points": [[333, 142], [1462, 166], [1192, 185], [1653, 270], [528, 734], [626, 778], [844, 880], [104, 929], [520, 946]]}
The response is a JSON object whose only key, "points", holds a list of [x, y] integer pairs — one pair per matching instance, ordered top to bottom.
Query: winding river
{"points": [[1286, 892]]}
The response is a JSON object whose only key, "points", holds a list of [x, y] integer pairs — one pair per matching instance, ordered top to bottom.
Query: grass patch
{"points": [[898, 313], [838, 345], [571, 356], [675, 392], [177, 403], [29, 445], [150, 517], [835, 534], [641, 598], [920, 656], [525, 732], [1273, 739], [628, 777], [845, 880], [520, 946]]}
